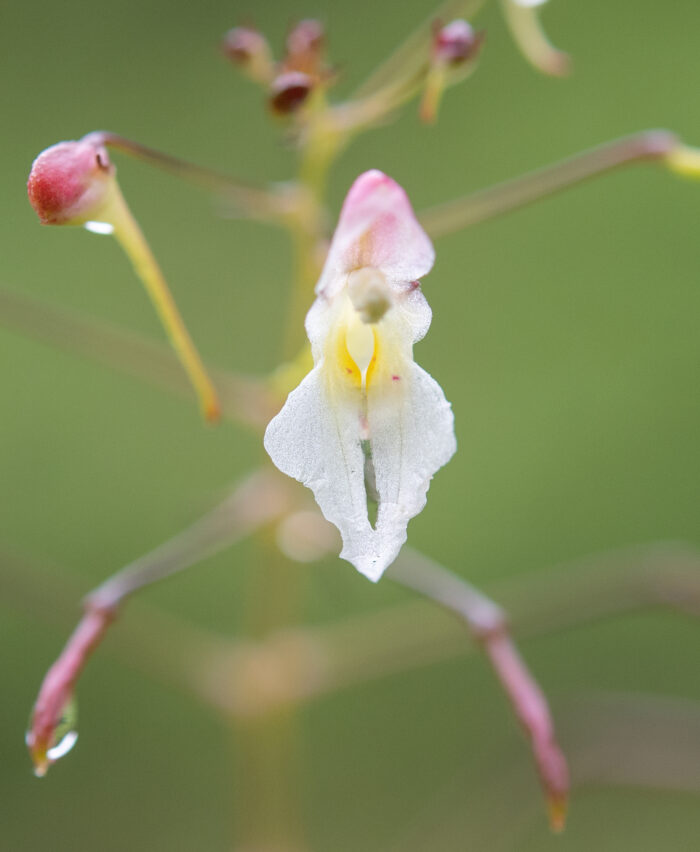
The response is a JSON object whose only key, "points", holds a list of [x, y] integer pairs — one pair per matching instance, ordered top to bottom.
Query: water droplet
{"points": [[99, 227], [64, 738], [63, 747]]}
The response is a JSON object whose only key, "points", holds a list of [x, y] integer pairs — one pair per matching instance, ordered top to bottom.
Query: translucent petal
{"points": [[377, 228], [317, 436], [412, 436], [316, 439]]}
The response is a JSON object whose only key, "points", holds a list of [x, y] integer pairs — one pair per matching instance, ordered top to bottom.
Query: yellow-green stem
{"points": [[130, 236]]}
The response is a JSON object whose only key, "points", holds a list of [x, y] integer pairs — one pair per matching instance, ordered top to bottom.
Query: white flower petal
{"points": [[367, 424], [412, 436], [316, 439]]}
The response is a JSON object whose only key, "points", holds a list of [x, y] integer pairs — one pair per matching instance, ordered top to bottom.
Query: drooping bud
{"points": [[456, 43], [305, 44], [249, 50], [289, 91], [71, 183], [74, 183]]}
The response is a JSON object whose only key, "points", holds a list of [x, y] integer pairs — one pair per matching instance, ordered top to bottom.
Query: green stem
{"points": [[649, 145]]}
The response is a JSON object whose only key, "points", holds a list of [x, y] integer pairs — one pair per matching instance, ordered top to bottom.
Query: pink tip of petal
{"points": [[67, 180], [367, 184], [377, 228]]}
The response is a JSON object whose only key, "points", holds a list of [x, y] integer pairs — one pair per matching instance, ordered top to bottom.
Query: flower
{"points": [[367, 425]]}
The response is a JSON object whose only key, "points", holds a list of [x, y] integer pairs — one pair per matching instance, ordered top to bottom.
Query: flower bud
{"points": [[455, 43], [305, 47], [249, 49], [289, 91], [71, 182]]}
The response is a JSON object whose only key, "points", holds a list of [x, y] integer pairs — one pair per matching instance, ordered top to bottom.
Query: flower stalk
{"points": [[254, 503], [488, 625]]}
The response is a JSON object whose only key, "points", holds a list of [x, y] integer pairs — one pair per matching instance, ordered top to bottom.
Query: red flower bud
{"points": [[456, 43], [289, 91], [70, 182]]}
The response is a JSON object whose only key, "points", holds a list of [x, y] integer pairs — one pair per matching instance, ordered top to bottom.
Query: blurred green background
{"points": [[564, 334]]}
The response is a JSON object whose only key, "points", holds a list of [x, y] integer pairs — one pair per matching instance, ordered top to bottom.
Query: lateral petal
{"points": [[412, 436], [316, 439]]}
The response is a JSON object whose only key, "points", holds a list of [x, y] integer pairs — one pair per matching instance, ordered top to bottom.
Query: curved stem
{"points": [[649, 145], [258, 202], [243, 399], [254, 503], [487, 624]]}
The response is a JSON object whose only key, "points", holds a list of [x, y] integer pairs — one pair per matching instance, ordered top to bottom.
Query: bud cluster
{"points": [[300, 72]]}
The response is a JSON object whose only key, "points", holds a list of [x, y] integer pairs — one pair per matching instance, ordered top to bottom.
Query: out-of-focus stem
{"points": [[528, 33], [406, 61], [320, 144], [649, 145], [257, 202], [132, 240], [243, 399], [254, 503], [487, 624], [297, 665], [267, 810]]}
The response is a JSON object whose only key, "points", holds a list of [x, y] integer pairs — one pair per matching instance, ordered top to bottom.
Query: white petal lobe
{"points": [[412, 436], [315, 439]]}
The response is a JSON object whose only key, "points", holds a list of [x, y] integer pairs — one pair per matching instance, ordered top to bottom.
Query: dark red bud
{"points": [[456, 43], [289, 91], [69, 181]]}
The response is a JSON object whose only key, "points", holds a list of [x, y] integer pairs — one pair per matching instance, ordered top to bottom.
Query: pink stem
{"points": [[488, 625], [57, 687], [532, 711]]}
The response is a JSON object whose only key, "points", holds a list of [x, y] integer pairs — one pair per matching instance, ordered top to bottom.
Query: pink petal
{"points": [[378, 228]]}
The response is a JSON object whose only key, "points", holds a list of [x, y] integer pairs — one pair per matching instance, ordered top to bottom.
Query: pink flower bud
{"points": [[305, 43], [455, 43], [249, 49], [289, 91], [70, 182]]}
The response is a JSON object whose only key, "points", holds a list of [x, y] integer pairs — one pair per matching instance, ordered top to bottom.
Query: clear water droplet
{"points": [[99, 227], [65, 736]]}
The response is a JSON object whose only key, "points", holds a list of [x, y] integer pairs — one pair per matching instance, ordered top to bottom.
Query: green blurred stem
{"points": [[529, 35], [406, 62], [320, 145], [256, 202], [452, 216], [243, 400], [255, 502], [297, 665]]}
